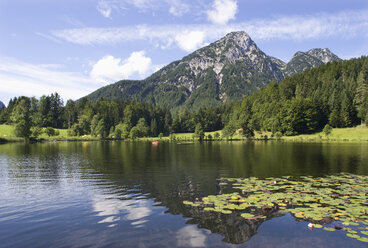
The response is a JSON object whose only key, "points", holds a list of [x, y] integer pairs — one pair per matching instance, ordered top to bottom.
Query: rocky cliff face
{"points": [[223, 71]]}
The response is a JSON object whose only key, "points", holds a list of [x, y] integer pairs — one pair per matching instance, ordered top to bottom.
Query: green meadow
{"points": [[358, 134]]}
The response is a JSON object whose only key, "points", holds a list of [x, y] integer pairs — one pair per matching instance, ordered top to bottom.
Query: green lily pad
{"points": [[341, 197], [247, 215], [354, 236], [363, 239]]}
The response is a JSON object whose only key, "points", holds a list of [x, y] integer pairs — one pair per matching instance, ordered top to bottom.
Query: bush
{"points": [[22, 129], [327, 130], [36, 131], [51, 132], [118, 133], [277, 135], [217, 136]]}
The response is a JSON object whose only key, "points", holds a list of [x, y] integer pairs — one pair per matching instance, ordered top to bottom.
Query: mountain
{"points": [[306, 60], [223, 71], [2, 105]]}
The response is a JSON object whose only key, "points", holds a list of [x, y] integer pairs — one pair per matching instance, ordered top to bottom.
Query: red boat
{"points": [[155, 143]]}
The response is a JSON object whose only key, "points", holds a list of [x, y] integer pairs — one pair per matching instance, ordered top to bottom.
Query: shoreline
{"points": [[358, 134], [167, 140]]}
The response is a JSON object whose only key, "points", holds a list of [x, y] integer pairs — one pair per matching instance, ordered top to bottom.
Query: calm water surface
{"points": [[120, 194]]}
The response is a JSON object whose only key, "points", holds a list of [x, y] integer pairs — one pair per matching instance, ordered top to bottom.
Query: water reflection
{"points": [[115, 193], [134, 210], [190, 236]]}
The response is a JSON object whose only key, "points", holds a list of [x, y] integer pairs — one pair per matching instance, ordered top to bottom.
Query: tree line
{"points": [[335, 94], [104, 119]]}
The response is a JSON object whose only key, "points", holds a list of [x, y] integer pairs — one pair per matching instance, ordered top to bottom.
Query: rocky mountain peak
{"points": [[240, 38], [238, 43], [235, 46], [299, 53], [325, 55], [306, 60], [2, 105]]}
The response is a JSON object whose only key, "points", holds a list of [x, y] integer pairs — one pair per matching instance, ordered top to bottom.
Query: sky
{"points": [[74, 47]]}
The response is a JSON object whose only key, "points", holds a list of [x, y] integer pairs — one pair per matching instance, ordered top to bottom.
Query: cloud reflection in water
{"points": [[133, 210], [191, 236]]}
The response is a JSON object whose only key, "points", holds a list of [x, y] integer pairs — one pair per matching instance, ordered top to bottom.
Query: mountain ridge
{"points": [[310, 59], [223, 71]]}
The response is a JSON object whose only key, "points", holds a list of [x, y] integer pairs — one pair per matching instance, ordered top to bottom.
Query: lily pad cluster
{"points": [[336, 202]]}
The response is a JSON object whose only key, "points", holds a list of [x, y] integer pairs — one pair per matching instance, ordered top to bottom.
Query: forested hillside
{"points": [[222, 72], [335, 94]]}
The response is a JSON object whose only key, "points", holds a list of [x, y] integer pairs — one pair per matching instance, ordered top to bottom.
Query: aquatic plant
{"points": [[336, 202]]}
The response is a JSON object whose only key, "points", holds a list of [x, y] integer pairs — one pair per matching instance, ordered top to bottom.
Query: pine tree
{"points": [[21, 117], [198, 132]]}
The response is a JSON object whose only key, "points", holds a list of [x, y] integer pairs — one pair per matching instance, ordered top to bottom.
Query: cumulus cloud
{"points": [[222, 11], [190, 41], [111, 69], [21, 78]]}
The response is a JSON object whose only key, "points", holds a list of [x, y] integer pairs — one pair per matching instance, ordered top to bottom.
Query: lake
{"points": [[130, 194]]}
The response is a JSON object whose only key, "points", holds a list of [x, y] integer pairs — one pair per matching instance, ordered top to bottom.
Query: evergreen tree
{"points": [[361, 96], [70, 113], [21, 118], [153, 128], [199, 133]]}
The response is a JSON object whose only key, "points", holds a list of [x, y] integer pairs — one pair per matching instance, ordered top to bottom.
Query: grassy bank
{"points": [[358, 134], [7, 135]]}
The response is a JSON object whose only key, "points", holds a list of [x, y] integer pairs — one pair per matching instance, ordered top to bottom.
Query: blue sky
{"points": [[75, 47]]}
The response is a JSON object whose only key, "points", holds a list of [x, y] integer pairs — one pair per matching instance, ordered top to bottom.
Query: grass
{"points": [[6, 131], [359, 134], [7, 135], [189, 136]]}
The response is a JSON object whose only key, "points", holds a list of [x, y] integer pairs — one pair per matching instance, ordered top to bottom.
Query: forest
{"points": [[333, 95], [102, 119]]}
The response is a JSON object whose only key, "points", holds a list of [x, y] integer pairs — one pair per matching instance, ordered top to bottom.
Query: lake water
{"points": [[126, 194]]}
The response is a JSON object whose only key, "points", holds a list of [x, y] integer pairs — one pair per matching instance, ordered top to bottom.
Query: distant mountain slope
{"points": [[306, 60], [223, 71], [2, 105]]}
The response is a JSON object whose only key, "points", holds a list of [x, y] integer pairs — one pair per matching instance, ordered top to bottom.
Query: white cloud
{"points": [[175, 7], [104, 8], [222, 11], [345, 25], [190, 41], [110, 69], [20, 78]]}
